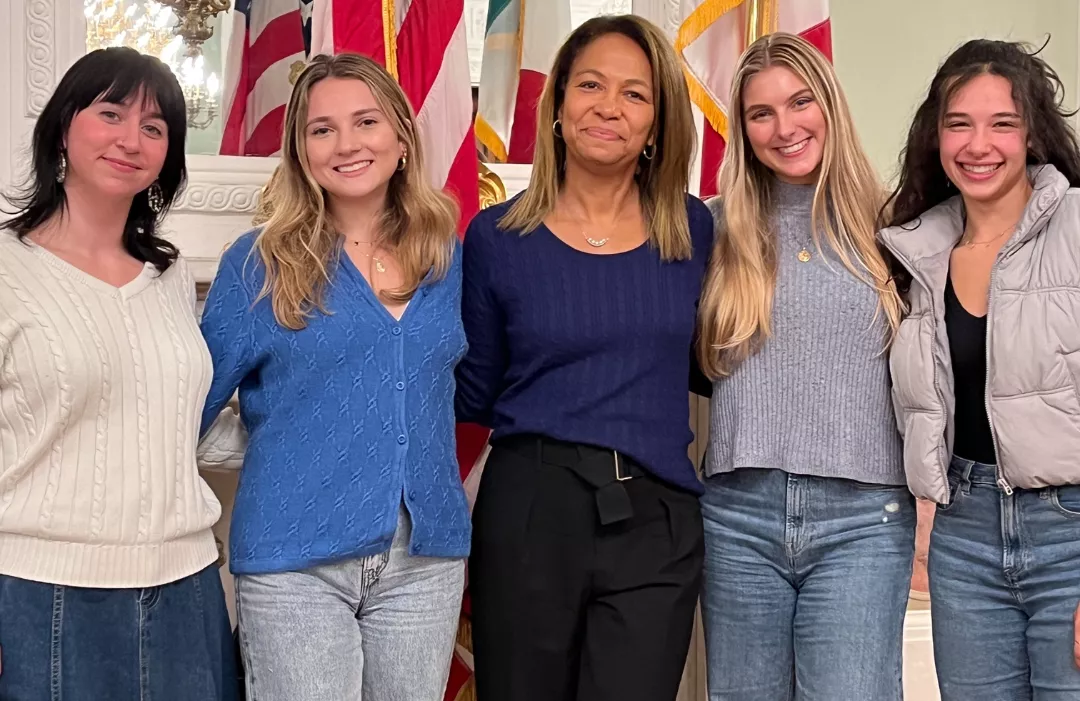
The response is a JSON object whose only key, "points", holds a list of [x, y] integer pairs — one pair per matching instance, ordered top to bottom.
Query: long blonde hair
{"points": [[662, 181], [299, 242], [736, 306]]}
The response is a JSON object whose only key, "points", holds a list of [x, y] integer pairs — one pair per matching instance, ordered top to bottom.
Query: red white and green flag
{"points": [[520, 42]]}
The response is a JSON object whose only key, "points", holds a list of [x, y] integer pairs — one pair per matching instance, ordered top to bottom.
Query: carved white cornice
{"points": [[40, 54], [224, 184], [216, 198]]}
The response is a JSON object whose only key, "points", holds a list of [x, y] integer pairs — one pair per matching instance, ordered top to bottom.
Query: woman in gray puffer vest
{"points": [[986, 369]]}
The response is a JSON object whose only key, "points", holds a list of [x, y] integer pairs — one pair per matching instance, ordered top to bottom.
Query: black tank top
{"points": [[967, 347]]}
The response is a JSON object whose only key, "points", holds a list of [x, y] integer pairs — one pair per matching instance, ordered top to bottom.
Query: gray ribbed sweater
{"points": [[815, 399]]}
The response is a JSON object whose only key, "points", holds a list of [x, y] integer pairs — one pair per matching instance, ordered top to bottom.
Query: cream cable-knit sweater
{"points": [[101, 392]]}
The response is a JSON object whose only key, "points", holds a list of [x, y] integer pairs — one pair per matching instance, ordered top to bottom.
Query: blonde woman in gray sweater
{"points": [[809, 527]]}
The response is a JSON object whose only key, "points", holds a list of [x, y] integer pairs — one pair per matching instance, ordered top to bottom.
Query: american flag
{"points": [[710, 39], [269, 44]]}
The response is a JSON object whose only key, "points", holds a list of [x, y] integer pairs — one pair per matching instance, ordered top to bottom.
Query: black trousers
{"points": [[567, 609]]}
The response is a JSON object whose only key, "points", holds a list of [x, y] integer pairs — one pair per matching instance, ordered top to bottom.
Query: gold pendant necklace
{"points": [[595, 243], [804, 255], [379, 267]]}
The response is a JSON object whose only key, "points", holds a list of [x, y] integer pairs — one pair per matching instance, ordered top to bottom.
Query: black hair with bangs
{"points": [[116, 75]]}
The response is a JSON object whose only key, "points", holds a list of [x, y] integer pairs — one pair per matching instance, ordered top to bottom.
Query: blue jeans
{"points": [[1005, 581], [806, 587], [379, 628], [166, 643]]}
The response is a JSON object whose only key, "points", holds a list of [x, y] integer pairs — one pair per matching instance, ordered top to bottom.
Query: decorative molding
{"points": [[40, 54], [224, 184], [234, 188], [218, 198]]}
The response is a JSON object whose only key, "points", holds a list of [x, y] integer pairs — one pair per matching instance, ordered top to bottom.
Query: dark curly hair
{"points": [[114, 75], [1037, 91]]}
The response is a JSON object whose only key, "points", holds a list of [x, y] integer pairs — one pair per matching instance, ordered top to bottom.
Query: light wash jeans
{"points": [[1004, 582], [806, 587], [380, 628]]}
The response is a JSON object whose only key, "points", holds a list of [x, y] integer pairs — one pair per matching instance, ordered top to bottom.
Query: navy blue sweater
{"points": [[580, 347], [346, 418]]}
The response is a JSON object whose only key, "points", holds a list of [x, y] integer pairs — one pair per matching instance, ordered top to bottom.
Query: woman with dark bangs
{"points": [[986, 370], [108, 582]]}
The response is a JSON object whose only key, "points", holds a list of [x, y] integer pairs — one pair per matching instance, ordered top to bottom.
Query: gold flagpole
{"points": [[761, 19]]}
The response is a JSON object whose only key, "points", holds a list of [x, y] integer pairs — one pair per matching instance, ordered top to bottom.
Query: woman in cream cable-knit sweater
{"points": [[108, 583]]}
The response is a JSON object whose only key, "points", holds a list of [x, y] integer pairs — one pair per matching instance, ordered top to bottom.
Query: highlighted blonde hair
{"points": [[662, 181], [299, 242], [736, 305]]}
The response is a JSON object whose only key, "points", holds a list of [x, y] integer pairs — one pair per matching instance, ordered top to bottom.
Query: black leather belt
{"points": [[602, 469]]}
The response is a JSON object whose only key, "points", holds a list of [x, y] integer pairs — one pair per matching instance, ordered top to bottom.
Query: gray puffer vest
{"points": [[1032, 339]]}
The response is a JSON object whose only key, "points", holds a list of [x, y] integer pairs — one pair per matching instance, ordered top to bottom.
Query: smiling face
{"points": [[607, 113], [784, 124], [983, 140], [352, 148], [116, 149]]}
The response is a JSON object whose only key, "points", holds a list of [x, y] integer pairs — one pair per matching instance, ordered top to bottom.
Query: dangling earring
{"points": [[556, 128], [649, 151], [403, 162], [61, 168], [155, 198]]}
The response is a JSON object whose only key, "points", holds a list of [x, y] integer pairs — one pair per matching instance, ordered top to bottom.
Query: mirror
{"points": [[148, 26]]}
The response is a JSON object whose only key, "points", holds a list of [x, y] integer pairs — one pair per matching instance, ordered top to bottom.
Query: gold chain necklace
{"points": [[972, 244], [379, 266]]}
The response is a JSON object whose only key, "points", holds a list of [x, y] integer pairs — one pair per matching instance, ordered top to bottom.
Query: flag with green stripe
{"points": [[520, 42]]}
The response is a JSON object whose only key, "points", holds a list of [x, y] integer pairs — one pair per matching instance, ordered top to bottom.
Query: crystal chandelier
{"points": [[193, 20], [148, 27], [155, 28], [200, 93]]}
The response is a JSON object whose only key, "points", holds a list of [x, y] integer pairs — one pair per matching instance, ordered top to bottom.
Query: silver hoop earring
{"points": [[556, 128], [649, 151], [61, 168], [155, 198]]}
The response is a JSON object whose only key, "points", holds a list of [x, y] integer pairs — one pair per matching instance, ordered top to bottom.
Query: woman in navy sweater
{"points": [[579, 300], [339, 322]]}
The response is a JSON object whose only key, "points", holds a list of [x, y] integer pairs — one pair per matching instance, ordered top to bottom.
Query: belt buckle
{"points": [[619, 477]]}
